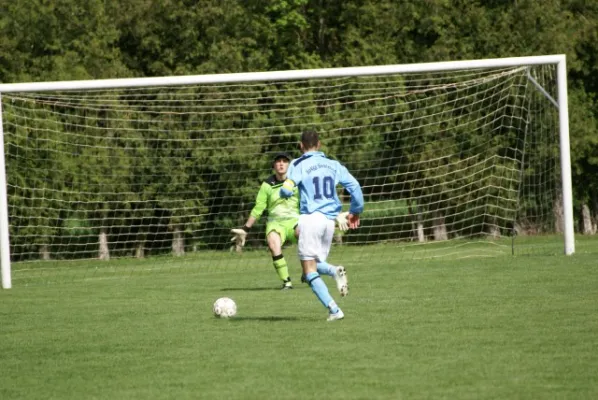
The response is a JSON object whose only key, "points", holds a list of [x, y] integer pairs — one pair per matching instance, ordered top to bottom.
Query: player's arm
{"points": [[349, 182], [261, 202], [250, 221]]}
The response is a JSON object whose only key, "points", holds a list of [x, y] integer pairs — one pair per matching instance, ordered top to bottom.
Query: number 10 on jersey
{"points": [[325, 190]]}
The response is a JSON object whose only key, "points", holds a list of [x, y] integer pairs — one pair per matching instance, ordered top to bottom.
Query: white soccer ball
{"points": [[224, 307]]}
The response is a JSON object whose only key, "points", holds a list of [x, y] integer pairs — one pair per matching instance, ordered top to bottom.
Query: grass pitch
{"points": [[502, 327]]}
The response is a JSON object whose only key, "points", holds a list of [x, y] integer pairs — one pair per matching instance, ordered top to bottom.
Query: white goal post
{"points": [[455, 99]]}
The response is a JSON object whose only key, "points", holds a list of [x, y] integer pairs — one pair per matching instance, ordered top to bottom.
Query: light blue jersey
{"points": [[317, 178]]}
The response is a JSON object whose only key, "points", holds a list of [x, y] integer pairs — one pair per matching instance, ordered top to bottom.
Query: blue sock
{"points": [[326, 269], [321, 291]]}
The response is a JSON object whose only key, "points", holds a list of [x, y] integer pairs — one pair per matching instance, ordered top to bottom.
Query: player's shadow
{"points": [[248, 289], [251, 289], [264, 319]]}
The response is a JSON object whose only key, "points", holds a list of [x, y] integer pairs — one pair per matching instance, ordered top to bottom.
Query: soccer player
{"points": [[317, 178], [283, 216]]}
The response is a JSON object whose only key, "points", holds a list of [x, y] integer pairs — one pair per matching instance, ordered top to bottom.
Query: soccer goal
{"points": [[460, 159]]}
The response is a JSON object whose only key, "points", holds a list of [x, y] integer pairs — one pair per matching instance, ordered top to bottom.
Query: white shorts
{"points": [[315, 236]]}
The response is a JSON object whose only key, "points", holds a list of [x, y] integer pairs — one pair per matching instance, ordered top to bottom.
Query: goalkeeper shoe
{"points": [[340, 276], [286, 285], [336, 316]]}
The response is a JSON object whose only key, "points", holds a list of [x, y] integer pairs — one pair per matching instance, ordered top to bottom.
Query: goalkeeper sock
{"points": [[280, 264], [326, 269], [321, 291]]}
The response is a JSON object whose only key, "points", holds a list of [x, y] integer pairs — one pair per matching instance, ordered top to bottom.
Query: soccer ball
{"points": [[224, 308]]}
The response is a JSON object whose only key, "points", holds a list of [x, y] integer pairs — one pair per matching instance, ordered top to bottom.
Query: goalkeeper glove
{"points": [[342, 221], [240, 234]]}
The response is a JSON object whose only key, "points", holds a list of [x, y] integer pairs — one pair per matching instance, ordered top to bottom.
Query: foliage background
{"points": [[44, 40]]}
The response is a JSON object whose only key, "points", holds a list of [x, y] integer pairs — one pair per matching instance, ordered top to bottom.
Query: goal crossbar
{"points": [[280, 75]]}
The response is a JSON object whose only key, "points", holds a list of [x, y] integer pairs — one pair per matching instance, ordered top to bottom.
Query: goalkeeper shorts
{"points": [[285, 229]]}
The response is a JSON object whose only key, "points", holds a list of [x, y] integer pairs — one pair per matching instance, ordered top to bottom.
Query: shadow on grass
{"points": [[248, 289], [253, 289], [264, 319]]}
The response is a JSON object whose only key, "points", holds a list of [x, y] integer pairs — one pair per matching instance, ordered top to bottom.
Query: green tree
{"points": [[58, 40]]}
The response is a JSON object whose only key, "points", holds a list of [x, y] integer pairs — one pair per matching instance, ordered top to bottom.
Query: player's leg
{"points": [[312, 227], [275, 238], [323, 267], [338, 272], [314, 280]]}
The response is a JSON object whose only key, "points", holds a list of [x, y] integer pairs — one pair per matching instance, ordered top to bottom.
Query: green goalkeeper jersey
{"points": [[268, 199]]}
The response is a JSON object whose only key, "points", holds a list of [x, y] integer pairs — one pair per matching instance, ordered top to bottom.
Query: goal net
{"points": [[460, 162]]}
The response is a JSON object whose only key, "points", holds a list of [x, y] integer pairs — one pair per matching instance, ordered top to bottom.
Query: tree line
{"points": [[69, 40]]}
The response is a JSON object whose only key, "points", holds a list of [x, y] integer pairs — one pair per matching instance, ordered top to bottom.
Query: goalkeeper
{"points": [[283, 217]]}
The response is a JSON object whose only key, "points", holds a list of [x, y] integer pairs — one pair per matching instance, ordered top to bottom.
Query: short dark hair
{"points": [[310, 139]]}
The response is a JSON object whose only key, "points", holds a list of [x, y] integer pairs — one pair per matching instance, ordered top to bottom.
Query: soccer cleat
{"points": [[340, 276], [286, 285], [336, 316]]}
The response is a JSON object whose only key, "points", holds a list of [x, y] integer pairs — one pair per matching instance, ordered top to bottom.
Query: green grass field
{"points": [[453, 327]]}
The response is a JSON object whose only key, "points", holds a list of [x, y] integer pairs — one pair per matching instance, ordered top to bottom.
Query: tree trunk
{"points": [[594, 212], [418, 224], [587, 226], [440, 227], [493, 231], [421, 236], [178, 242], [140, 250], [44, 252], [104, 253]]}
